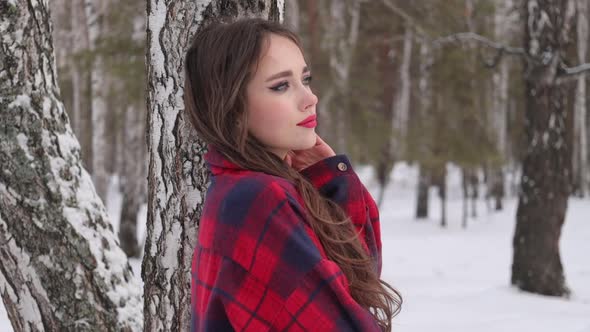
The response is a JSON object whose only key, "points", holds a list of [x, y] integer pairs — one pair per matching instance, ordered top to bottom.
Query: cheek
{"points": [[267, 116]]}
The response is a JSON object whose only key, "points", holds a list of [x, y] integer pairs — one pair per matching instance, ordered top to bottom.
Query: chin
{"points": [[310, 143]]}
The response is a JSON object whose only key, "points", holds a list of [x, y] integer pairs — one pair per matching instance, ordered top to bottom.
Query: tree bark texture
{"points": [[581, 174], [177, 176], [545, 183], [61, 266]]}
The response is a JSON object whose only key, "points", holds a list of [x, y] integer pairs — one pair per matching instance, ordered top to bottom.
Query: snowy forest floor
{"points": [[457, 279]]}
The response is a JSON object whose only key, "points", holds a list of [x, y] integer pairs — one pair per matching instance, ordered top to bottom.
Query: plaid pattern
{"points": [[258, 266]]}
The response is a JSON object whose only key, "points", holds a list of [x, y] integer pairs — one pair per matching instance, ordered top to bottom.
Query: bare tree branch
{"points": [[407, 18], [473, 37], [439, 42], [577, 70], [571, 74], [566, 75]]}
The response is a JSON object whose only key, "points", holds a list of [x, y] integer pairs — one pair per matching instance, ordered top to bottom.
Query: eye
{"points": [[307, 80], [280, 87]]}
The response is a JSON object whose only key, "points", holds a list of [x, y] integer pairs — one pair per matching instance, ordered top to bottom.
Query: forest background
{"points": [[436, 85]]}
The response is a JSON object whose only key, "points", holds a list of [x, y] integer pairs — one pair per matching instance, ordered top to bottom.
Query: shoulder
{"points": [[250, 182], [250, 186], [235, 193], [255, 215]]}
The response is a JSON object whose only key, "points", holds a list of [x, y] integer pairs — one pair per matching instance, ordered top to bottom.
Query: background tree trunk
{"points": [[95, 10], [293, 20], [504, 20], [341, 40], [72, 47], [386, 54], [424, 107], [401, 108], [133, 157], [177, 176], [133, 182], [545, 183], [581, 183], [422, 193], [442, 194], [465, 205], [61, 267]]}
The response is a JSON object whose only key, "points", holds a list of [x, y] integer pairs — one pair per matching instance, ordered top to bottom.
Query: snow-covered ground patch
{"points": [[457, 279]]}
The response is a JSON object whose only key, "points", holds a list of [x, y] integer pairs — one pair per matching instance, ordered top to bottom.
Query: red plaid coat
{"points": [[258, 266]]}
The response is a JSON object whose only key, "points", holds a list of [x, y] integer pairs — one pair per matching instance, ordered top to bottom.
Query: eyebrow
{"points": [[285, 73]]}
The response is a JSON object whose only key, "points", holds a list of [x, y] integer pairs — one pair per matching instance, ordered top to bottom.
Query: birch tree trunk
{"points": [[95, 10], [292, 21], [503, 28], [341, 40], [81, 83], [425, 103], [399, 121], [133, 160], [580, 160], [177, 176], [132, 179], [545, 183], [61, 267]]}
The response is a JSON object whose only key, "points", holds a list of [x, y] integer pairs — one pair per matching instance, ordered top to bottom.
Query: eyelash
{"points": [[278, 87]]}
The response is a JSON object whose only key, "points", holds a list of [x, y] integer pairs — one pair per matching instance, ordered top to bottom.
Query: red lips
{"points": [[309, 122]]}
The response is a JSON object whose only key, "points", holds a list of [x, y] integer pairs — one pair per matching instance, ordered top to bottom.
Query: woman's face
{"points": [[279, 97]]}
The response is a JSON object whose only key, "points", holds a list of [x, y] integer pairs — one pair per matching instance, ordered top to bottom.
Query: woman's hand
{"points": [[300, 159]]}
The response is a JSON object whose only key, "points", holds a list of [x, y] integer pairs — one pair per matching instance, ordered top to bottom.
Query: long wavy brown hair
{"points": [[218, 66]]}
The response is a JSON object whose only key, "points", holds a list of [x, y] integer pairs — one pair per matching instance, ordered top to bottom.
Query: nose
{"points": [[309, 99]]}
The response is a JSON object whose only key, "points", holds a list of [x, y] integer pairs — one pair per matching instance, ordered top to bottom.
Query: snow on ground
{"points": [[457, 279]]}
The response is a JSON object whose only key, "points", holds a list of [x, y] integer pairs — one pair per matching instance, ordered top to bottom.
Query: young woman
{"points": [[289, 238]]}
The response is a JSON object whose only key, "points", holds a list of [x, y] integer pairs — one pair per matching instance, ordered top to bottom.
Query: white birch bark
{"points": [[95, 10], [292, 17], [505, 20], [341, 40], [425, 103], [401, 105], [580, 159], [177, 178], [61, 267]]}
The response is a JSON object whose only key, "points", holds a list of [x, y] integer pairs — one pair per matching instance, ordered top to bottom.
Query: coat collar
{"points": [[217, 162]]}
